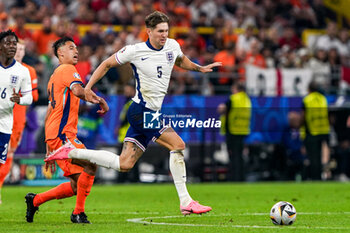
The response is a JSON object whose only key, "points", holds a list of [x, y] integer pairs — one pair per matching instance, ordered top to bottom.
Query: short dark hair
{"points": [[155, 18], [7, 33], [60, 43], [240, 86], [313, 86]]}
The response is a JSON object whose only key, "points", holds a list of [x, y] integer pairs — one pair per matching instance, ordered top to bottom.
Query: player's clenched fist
{"points": [[15, 96]]}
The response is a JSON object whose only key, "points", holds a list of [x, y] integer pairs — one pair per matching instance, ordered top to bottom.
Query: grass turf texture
{"points": [[321, 207]]}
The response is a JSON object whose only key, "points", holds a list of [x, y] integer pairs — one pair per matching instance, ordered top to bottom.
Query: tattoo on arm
{"points": [[178, 61], [186, 64], [197, 68]]}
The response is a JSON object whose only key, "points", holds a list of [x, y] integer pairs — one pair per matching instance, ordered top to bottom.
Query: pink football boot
{"points": [[61, 153], [195, 208]]}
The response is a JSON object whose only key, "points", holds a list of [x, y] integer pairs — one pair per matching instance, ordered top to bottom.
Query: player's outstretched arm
{"points": [[187, 64], [209, 68], [96, 76], [79, 92], [104, 107], [50, 164]]}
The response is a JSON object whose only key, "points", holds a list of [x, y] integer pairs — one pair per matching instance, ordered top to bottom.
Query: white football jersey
{"points": [[152, 69], [14, 76]]}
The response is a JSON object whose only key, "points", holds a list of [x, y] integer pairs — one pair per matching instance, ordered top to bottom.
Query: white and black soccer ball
{"points": [[283, 213]]}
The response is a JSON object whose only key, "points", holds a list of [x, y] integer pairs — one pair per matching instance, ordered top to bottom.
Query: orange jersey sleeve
{"points": [[34, 79], [63, 119]]}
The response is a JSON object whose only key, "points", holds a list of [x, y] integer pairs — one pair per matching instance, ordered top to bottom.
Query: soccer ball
{"points": [[283, 213]]}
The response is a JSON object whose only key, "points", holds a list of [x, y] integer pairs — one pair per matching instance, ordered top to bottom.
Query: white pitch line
{"points": [[94, 212], [302, 213], [240, 214], [144, 221]]}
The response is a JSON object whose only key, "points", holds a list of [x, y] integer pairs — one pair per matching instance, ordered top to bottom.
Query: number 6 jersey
{"points": [[152, 69], [14, 76]]}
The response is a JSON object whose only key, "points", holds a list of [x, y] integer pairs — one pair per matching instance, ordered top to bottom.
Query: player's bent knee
{"points": [[181, 145], [129, 156], [127, 163], [126, 166], [91, 168], [73, 184], [75, 188]]}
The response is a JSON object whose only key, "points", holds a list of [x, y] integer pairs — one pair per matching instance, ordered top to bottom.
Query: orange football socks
{"points": [[85, 183], [61, 191]]}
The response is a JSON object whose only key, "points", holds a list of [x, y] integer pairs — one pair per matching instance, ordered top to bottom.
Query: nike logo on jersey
{"points": [[144, 58]]}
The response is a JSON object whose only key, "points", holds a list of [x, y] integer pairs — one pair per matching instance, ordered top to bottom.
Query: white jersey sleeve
{"points": [[178, 48], [125, 54], [26, 88]]}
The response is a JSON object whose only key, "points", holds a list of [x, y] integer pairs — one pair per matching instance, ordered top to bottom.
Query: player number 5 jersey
{"points": [[152, 69]]}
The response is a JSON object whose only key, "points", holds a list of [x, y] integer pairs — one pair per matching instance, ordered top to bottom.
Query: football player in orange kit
{"points": [[65, 89], [19, 116]]}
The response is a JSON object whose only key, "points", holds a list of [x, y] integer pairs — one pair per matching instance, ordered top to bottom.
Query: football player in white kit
{"points": [[152, 63], [14, 78]]}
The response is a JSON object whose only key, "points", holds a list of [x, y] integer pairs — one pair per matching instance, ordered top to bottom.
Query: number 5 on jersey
{"points": [[159, 71]]}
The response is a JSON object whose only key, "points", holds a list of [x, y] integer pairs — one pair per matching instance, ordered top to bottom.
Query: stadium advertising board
{"points": [[277, 82], [33, 173]]}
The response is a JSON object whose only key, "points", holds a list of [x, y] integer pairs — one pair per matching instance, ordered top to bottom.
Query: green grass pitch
{"points": [[321, 207]]}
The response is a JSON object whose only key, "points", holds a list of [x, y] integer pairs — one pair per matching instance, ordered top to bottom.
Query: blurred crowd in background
{"points": [[264, 33]]}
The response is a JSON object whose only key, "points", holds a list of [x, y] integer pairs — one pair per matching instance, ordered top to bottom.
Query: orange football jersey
{"points": [[34, 79], [19, 111], [63, 119]]}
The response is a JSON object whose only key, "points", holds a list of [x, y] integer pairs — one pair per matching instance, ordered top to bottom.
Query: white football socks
{"points": [[100, 157], [110, 160], [178, 171]]}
